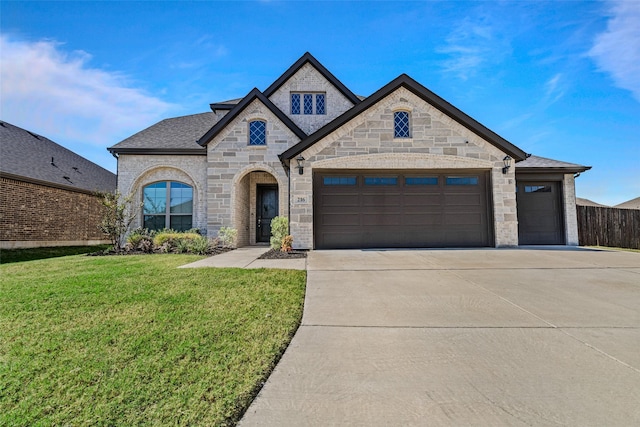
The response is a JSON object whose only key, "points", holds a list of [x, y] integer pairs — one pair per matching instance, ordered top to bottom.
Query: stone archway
{"points": [[248, 190]]}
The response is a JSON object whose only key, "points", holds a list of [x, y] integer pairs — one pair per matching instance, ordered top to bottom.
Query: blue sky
{"points": [[558, 79]]}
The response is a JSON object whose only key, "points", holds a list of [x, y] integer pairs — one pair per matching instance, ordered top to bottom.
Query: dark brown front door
{"points": [[401, 209], [266, 210], [540, 220]]}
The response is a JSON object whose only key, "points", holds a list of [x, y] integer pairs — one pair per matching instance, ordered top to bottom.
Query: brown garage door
{"points": [[401, 209], [540, 220]]}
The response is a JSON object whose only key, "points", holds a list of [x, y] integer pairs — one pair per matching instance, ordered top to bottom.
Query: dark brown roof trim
{"points": [[307, 57], [416, 88], [254, 94], [221, 106], [160, 151], [565, 169], [46, 183]]}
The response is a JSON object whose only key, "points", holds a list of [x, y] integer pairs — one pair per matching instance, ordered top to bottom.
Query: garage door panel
{"points": [[421, 199], [463, 199], [378, 200], [400, 214], [540, 216], [463, 218], [340, 219], [382, 219], [422, 219]]}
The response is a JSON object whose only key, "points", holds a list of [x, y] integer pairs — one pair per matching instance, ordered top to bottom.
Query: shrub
{"points": [[279, 229], [227, 236], [171, 238], [182, 246], [198, 246]]}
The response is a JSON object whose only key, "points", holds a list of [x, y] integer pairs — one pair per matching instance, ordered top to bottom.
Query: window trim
{"points": [[167, 210]]}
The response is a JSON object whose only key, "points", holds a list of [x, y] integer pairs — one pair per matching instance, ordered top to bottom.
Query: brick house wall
{"points": [[33, 215]]}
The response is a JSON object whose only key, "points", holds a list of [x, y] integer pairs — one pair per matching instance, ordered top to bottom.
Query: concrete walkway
{"points": [[247, 257], [462, 337]]}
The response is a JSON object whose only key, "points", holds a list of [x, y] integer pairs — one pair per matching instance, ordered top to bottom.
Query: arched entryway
{"points": [[256, 203]]}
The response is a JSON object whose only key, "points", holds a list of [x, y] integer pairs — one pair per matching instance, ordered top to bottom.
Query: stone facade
{"points": [[308, 80], [357, 136], [436, 142], [230, 159], [136, 171], [570, 212], [33, 215]]}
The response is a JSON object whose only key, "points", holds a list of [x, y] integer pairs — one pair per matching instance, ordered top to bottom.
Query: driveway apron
{"points": [[537, 336]]}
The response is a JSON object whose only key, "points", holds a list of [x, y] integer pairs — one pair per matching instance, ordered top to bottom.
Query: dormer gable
{"points": [[310, 95]]}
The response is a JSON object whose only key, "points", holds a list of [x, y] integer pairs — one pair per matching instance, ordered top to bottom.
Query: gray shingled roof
{"points": [[179, 133], [26, 155], [535, 162], [586, 202], [629, 204]]}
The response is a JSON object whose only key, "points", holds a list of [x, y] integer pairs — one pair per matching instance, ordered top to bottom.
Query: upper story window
{"points": [[308, 103], [401, 124], [257, 132], [176, 215]]}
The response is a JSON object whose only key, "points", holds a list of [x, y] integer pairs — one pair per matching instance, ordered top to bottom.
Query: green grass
{"points": [[19, 255], [131, 340]]}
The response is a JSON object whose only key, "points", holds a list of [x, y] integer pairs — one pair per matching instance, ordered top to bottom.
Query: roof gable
{"points": [[308, 58], [425, 94], [235, 111], [29, 157]]}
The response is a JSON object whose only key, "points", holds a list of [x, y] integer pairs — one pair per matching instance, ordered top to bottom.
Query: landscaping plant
{"points": [[279, 230]]}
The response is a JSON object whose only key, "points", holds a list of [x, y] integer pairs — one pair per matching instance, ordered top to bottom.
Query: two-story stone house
{"points": [[399, 168]]}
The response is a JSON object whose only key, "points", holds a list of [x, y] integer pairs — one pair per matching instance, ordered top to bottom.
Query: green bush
{"points": [[279, 229], [227, 236], [170, 238], [198, 246]]}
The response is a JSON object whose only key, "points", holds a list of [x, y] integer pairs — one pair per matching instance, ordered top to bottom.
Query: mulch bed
{"points": [[109, 252], [278, 254]]}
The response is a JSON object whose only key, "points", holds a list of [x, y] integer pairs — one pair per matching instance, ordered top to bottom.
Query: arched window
{"points": [[401, 124], [257, 132], [177, 214]]}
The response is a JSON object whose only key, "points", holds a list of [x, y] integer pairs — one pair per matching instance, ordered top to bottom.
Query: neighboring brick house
{"points": [[400, 168], [47, 193]]}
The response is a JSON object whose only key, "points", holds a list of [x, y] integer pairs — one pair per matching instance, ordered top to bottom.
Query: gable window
{"points": [[308, 103], [401, 124], [257, 132], [177, 214]]}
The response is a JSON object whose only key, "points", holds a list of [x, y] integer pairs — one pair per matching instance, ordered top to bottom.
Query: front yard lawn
{"points": [[131, 340]]}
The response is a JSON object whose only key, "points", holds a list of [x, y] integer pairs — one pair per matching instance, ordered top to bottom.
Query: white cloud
{"points": [[472, 46], [617, 50], [553, 90], [58, 94]]}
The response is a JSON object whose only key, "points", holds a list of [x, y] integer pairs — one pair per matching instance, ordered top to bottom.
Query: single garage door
{"points": [[401, 209], [540, 220]]}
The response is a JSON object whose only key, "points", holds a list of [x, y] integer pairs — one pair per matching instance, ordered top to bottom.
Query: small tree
{"points": [[117, 217]]}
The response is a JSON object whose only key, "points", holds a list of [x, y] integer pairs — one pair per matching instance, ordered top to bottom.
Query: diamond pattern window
{"points": [[295, 103], [308, 103], [313, 103], [320, 103], [401, 124], [257, 133]]}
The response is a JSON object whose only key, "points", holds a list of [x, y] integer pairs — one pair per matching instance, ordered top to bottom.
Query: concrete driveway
{"points": [[462, 337]]}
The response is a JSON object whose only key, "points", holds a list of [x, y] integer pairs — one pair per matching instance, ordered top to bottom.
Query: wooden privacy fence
{"points": [[609, 227]]}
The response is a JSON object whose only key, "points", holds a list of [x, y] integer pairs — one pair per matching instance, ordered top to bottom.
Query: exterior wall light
{"points": [[507, 164], [300, 166]]}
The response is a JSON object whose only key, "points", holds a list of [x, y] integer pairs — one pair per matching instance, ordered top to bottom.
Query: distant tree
{"points": [[117, 217]]}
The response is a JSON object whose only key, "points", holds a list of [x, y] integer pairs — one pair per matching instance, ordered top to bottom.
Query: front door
{"points": [[266, 210]]}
